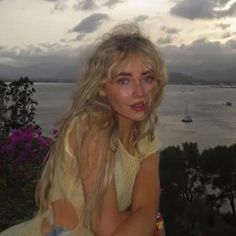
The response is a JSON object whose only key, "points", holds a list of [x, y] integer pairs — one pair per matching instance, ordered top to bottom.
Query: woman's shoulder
{"points": [[148, 146]]}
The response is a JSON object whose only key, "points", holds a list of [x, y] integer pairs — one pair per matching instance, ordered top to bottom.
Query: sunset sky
{"points": [[189, 32]]}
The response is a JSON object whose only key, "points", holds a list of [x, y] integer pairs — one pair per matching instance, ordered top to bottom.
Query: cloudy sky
{"points": [[192, 34]]}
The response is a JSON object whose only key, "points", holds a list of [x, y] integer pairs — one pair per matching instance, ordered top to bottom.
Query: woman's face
{"points": [[131, 89]]}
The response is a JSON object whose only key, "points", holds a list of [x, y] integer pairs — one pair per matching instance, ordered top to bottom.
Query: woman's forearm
{"points": [[140, 222]]}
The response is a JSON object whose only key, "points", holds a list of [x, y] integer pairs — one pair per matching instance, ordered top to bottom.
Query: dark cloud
{"points": [[223, 2], [112, 3], [85, 5], [193, 9], [202, 9], [228, 12], [141, 18], [90, 23], [223, 26], [171, 30], [226, 35], [80, 37], [165, 40], [232, 44], [40, 51], [200, 55], [189, 58], [44, 61]]}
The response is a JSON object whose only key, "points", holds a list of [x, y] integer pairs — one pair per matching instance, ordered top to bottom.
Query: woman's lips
{"points": [[139, 106]]}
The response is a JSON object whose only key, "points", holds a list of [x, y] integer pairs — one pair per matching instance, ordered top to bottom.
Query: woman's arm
{"points": [[145, 203], [111, 218], [139, 221]]}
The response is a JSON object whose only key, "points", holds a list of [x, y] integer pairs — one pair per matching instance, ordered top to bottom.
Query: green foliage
{"points": [[3, 108], [17, 108], [22, 149], [220, 165], [194, 187]]}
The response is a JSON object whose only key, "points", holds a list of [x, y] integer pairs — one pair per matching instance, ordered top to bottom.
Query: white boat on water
{"points": [[228, 103], [187, 119]]}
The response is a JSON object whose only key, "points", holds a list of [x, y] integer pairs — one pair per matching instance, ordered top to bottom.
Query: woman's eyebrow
{"points": [[124, 74], [129, 74]]}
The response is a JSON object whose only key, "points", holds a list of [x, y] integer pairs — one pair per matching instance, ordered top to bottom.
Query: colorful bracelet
{"points": [[159, 222]]}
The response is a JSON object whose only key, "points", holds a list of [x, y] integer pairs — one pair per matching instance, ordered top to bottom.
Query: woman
{"points": [[101, 177]]}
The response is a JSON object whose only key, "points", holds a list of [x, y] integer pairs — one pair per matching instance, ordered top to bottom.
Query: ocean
{"points": [[213, 123]]}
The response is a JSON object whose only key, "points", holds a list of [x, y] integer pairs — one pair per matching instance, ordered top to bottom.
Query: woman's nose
{"points": [[138, 90]]}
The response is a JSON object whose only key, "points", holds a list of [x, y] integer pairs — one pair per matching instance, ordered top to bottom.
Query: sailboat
{"points": [[187, 118]]}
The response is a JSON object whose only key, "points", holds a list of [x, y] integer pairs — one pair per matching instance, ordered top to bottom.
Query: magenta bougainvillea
{"points": [[24, 146], [22, 155]]}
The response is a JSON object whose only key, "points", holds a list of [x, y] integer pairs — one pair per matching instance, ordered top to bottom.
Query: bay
{"points": [[213, 123]]}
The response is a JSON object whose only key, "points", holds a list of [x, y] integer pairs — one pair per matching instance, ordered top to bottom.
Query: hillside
{"points": [[54, 72]]}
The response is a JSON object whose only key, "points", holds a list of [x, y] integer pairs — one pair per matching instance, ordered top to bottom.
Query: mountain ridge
{"points": [[54, 72]]}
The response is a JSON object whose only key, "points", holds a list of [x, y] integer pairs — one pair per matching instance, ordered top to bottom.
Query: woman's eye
{"points": [[148, 79], [122, 81]]}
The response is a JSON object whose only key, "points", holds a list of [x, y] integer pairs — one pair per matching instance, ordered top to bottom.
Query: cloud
{"points": [[112, 3], [60, 5], [85, 5], [203, 9], [231, 11], [141, 18], [89, 24], [223, 26], [171, 30], [226, 35], [165, 40], [232, 44], [35, 52], [200, 55], [191, 58], [45, 60]]}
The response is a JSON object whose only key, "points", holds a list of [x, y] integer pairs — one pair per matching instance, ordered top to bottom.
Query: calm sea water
{"points": [[213, 123]]}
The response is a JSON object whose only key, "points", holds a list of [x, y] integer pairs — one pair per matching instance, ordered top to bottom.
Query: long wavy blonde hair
{"points": [[110, 55]]}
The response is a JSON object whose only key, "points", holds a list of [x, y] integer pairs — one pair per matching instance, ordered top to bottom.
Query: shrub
{"points": [[21, 159]]}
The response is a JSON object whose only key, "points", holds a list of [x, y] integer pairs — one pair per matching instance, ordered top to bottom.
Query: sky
{"points": [[191, 34]]}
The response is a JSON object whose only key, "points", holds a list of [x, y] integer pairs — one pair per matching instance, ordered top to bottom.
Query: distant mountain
{"points": [[10, 71], [40, 72], [55, 72], [227, 75], [180, 78]]}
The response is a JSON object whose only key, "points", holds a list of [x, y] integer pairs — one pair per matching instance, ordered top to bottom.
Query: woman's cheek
{"points": [[151, 89]]}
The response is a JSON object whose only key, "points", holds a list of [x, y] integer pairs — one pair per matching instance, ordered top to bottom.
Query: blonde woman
{"points": [[101, 177]]}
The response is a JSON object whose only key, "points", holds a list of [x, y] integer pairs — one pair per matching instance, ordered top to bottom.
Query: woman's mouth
{"points": [[139, 106]]}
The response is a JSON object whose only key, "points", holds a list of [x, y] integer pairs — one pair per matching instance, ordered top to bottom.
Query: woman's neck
{"points": [[125, 130]]}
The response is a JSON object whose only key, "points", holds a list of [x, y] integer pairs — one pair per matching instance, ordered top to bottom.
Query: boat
{"points": [[228, 103], [187, 119]]}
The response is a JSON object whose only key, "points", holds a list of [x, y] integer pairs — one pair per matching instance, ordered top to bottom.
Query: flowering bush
{"points": [[21, 159]]}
